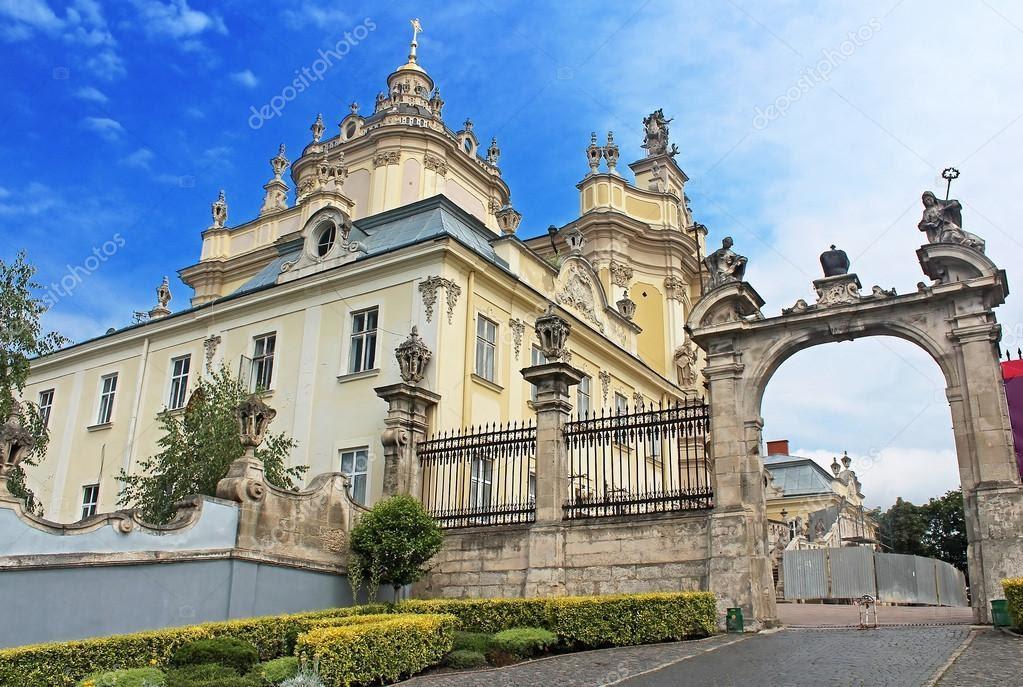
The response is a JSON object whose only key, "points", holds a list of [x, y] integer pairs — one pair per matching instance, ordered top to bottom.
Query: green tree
{"points": [[21, 340], [196, 450], [903, 527], [945, 537], [393, 543]]}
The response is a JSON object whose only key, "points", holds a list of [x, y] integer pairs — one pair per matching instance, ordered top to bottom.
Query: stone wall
{"points": [[666, 552]]}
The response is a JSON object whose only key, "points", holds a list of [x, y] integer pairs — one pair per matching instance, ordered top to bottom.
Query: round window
{"points": [[350, 130], [325, 241]]}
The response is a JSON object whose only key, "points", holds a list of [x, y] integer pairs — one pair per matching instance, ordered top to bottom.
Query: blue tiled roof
{"points": [[420, 222], [796, 476]]}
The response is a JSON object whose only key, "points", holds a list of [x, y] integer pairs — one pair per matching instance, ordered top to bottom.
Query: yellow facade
{"points": [[382, 174]]}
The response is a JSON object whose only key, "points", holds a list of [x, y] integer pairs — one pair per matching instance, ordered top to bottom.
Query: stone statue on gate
{"points": [[942, 221], [725, 265]]}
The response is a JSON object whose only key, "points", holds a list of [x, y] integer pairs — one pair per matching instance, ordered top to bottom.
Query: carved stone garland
{"points": [[428, 290]]}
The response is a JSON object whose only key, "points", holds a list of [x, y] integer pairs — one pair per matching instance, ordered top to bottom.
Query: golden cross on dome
{"points": [[417, 28]]}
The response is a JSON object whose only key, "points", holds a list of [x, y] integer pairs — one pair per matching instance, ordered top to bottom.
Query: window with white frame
{"points": [[486, 349], [363, 352], [536, 357], [263, 361], [179, 382], [108, 387], [583, 402], [621, 404], [45, 405], [355, 464], [481, 482], [90, 500]]}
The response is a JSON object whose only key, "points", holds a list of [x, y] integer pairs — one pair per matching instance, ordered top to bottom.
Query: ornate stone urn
{"points": [[835, 262], [627, 307], [552, 332], [413, 356], [253, 418], [16, 443]]}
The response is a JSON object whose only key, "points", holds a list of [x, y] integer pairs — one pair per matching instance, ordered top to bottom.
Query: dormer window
{"points": [[350, 130], [467, 144], [326, 238]]}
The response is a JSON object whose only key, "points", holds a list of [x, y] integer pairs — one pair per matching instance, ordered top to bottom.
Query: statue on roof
{"points": [[655, 138], [219, 211], [942, 221], [725, 265]]}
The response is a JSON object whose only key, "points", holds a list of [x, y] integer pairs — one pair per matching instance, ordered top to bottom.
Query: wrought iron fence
{"points": [[651, 460], [481, 476]]}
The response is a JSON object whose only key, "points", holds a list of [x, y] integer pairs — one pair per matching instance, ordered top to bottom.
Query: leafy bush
{"points": [[393, 542], [1014, 595], [592, 621], [473, 641], [524, 642], [226, 651], [379, 652], [465, 658], [62, 664], [276, 671], [194, 675], [134, 677], [304, 679]]}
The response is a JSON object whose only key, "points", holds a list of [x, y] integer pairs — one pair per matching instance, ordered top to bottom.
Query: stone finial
{"points": [[354, 107], [468, 124], [317, 128], [493, 152], [593, 153], [611, 153], [279, 163], [219, 211], [508, 218], [575, 241], [835, 262], [724, 265], [163, 297], [627, 306], [552, 332], [413, 357], [253, 418], [16, 443], [846, 460], [835, 467]]}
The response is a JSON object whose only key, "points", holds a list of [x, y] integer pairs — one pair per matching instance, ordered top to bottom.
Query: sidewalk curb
{"points": [[952, 659]]}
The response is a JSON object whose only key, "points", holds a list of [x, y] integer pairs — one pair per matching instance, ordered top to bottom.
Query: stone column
{"points": [[406, 426], [739, 569]]}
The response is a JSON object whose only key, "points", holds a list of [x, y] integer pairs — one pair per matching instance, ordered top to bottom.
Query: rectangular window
{"points": [[364, 341], [486, 348], [536, 357], [263, 361], [179, 381], [582, 397], [106, 399], [45, 404], [621, 404], [355, 464], [481, 482], [90, 500]]}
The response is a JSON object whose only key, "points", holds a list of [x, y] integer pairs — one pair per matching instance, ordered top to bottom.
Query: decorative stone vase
{"points": [[835, 262], [627, 307], [552, 332], [413, 356], [254, 417], [16, 443]]}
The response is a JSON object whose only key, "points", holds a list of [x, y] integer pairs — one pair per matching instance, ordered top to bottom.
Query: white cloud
{"points": [[35, 14], [315, 14], [176, 20], [83, 25], [246, 78], [92, 94], [106, 127], [139, 158]]}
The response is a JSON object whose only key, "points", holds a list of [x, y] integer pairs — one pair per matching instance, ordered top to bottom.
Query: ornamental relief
{"points": [[388, 158], [436, 164], [621, 274], [428, 290], [576, 291], [518, 328]]}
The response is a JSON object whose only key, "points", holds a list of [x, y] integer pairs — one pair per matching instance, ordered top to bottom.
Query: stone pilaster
{"points": [[406, 425]]}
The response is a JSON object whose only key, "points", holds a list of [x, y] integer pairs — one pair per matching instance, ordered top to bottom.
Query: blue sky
{"points": [[799, 126]]}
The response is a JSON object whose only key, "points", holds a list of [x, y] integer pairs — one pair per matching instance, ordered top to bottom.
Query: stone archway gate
{"points": [[952, 319]]}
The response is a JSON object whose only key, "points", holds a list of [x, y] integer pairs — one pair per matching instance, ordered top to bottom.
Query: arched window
{"points": [[325, 241]]}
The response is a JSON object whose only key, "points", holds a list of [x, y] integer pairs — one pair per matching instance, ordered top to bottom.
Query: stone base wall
{"points": [[666, 552]]}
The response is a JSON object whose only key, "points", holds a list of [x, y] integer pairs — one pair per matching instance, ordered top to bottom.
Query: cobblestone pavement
{"points": [[905, 656], [993, 658], [584, 669]]}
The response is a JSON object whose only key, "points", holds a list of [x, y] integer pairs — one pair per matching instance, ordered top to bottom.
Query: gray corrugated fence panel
{"points": [[852, 572], [806, 574], [896, 577], [926, 581], [951, 585]]}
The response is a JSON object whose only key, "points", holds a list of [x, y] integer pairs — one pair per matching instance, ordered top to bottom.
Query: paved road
{"points": [[992, 659]]}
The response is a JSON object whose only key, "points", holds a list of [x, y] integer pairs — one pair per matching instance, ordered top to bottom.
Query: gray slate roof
{"points": [[797, 476]]}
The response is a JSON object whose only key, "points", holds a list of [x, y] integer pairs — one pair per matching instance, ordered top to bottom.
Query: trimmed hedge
{"points": [[1014, 595], [591, 621], [524, 642], [227, 651], [383, 651], [64, 663], [276, 671], [136, 677]]}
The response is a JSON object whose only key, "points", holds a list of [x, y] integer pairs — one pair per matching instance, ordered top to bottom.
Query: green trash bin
{"points": [[1000, 616], [733, 620]]}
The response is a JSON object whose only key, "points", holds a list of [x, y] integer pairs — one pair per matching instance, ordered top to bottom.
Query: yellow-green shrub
{"points": [[1014, 595], [612, 620], [383, 651], [64, 663]]}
